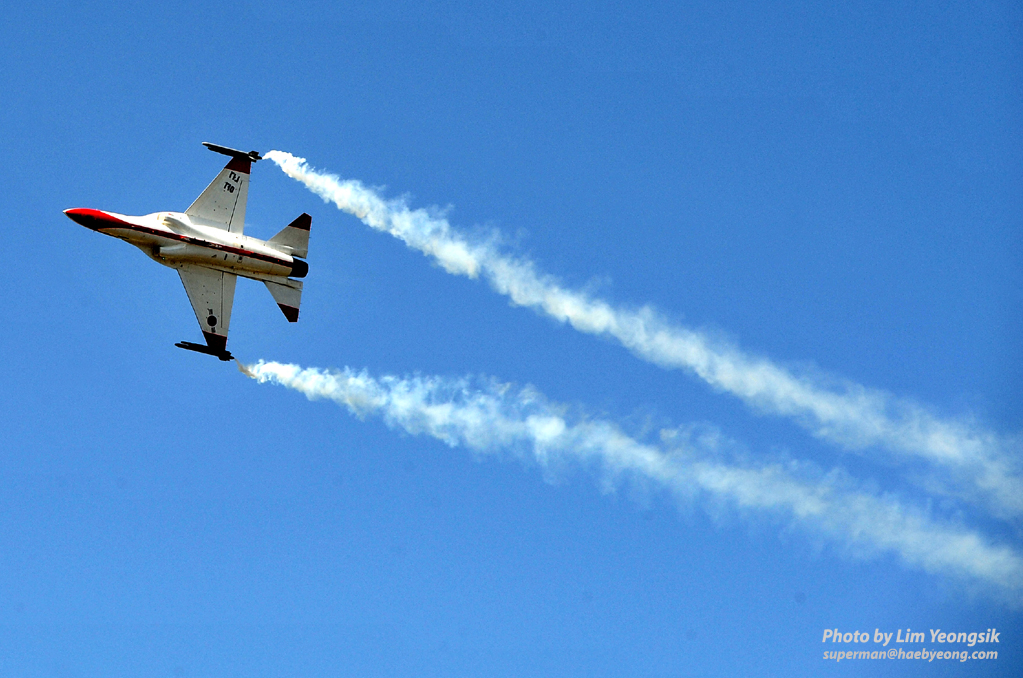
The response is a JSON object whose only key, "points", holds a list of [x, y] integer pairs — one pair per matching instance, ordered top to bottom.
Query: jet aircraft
{"points": [[206, 245]]}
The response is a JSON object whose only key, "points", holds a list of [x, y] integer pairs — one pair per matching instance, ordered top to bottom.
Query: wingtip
{"points": [[251, 156], [302, 222], [290, 312], [216, 342]]}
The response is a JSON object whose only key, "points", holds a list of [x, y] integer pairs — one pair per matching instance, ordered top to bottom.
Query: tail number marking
{"points": [[235, 178]]}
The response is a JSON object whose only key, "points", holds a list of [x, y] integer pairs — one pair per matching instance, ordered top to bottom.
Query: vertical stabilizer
{"points": [[294, 239]]}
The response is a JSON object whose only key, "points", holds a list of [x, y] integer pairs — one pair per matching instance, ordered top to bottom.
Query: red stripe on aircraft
{"points": [[243, 165], [84, 214], [302, 222], [290, 312], [217, 342]]}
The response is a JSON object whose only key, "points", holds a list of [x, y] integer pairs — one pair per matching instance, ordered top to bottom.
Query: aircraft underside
{"points": [[206, 246]]}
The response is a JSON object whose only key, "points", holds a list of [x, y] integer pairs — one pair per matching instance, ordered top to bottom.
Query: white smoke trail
{"points": [[490, 417], [982, 466]]}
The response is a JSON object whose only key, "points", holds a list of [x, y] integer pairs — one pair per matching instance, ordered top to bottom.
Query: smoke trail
{"points": [[489, 417], [980, 464]]}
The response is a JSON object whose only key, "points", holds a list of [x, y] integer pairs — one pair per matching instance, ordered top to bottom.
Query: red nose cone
{"points": [[77, 215], [93, 219]]}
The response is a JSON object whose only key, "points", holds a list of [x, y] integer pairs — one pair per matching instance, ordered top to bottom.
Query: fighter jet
{"points": [[206, 246]]}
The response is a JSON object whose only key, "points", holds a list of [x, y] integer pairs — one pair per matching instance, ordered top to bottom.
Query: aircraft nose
{"points": [[79, 215], [93, 219]]}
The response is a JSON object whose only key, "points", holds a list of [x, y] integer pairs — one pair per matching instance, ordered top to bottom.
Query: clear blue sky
{"points": [[838, 191]]}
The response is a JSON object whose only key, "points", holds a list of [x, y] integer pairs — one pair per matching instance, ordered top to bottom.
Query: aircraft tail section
{"points": [[294, 239], [288, 295]]}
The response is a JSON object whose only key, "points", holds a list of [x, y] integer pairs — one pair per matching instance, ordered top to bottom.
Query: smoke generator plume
{"points": [[244, 369], [488, 417], [967, 462]]}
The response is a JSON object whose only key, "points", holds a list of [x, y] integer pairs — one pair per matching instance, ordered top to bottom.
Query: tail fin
{"points": [[294, 239], [288, 295]]}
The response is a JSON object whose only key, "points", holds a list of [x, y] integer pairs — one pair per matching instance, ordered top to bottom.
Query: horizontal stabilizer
{"points": [[294, 239], [288, 295]]}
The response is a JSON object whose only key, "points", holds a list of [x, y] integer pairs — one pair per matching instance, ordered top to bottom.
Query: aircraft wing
{"points": [[222, 204], [212, 295]]}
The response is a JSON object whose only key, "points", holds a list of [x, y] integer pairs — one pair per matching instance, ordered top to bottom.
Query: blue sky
{"points": [[831, 192]]}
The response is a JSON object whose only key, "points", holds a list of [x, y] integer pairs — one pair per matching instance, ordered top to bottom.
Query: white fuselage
{"points": [[176, 239]]}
